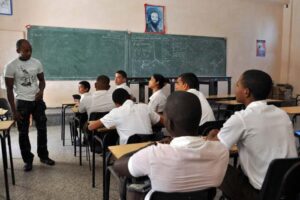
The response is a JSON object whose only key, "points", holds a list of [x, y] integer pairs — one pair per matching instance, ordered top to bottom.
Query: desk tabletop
{"points": [[219, 97], [235, 102], [68, 104], [75, 109], [292, 110], [5, 125], [119, 150]]}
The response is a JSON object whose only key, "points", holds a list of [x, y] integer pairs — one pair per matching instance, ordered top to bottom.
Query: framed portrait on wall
{"points": [[5, 7], [154, 16], [260, 48]]}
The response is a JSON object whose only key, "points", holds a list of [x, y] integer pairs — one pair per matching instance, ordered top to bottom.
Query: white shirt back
{"points": [[25, 77], [125, 87], [102, 101], [157, 101], [85, 103], [207, 113], [130, 119], [263, 133], [187, 164]]}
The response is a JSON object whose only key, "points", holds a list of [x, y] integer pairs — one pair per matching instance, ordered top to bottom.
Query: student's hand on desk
{"points": [[212, 135], [166, 140]]}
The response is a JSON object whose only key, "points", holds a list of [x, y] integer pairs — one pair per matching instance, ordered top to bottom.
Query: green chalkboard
{"points": [[75, 54], [81, 54], [172, 55]]}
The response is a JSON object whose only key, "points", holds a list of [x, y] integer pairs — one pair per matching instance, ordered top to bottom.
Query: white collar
{"points": [[156, 93], [257, 103], [187, 142]]}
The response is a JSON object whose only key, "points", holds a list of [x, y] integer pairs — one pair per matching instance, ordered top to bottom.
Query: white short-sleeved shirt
{"points": [[25, 77], [125, 87], [102, 101], [157, 101], [85, 103], [207, 113], [130, 119], [263, 133], [187, 164]]}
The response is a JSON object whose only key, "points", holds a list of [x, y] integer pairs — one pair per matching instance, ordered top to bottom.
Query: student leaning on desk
{"points": [[128, 118], [262, 133], [189, 162]]}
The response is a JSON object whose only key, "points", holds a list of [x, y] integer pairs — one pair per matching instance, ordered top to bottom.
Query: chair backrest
{"points": [[76, 97], [5, 105], [97, 115], [207, 126], [136, 138], [274, 178], [289, 188], [207, 194]]}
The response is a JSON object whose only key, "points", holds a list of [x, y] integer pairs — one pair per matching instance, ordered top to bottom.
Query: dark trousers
{"points": [[37, 109], [236, 185]]}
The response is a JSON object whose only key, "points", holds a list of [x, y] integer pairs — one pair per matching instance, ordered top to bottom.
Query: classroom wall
{"points": [[242, 22], [291, 46]]}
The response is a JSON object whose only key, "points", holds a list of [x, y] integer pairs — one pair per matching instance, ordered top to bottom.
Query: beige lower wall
{"points": [[241, 22]]}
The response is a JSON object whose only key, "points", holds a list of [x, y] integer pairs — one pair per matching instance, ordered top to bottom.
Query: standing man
{"points": [[25, 77]]}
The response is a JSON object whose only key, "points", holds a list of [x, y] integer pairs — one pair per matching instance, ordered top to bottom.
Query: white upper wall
{"points": [[241, 22]]}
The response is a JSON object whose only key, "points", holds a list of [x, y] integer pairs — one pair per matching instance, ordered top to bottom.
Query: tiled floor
{"points": [[66, 180]]}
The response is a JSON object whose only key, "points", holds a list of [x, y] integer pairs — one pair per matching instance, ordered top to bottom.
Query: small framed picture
{"points": [[5, 7], [154, 16], [260, 48]]}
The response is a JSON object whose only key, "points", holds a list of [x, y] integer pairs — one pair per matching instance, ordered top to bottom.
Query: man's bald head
{"points": [[182, 114]]}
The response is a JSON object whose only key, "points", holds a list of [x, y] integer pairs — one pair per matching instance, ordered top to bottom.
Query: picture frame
{"points": [[6, 7], [155, 19], [260, 48]]}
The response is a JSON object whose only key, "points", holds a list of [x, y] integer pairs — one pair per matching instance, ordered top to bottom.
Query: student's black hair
{"points": [[20, 42], [122, 73], [103, 79], [160, 79], [191, 80], [258, 82], [85, 84], [120, 95], [183, 110]]}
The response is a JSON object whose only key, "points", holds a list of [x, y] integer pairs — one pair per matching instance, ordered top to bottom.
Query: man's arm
{"points": [[9, 82], [42, 85], [95, 124], [213, 135], [121, 165]]}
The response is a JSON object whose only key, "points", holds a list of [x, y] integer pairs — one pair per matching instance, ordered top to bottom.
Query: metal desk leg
{"points": [[62, 108], [11, 158], [4, 159], [93, 162]]}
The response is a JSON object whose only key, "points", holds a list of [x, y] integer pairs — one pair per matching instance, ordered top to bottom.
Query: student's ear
{"points": [[18, 50], [186, 86], [247, 92]]}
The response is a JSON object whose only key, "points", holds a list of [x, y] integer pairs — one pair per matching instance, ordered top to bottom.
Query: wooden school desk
{"points": [[220, 97], [64, 106], [292, 110], [5, 133], [106, 134]]}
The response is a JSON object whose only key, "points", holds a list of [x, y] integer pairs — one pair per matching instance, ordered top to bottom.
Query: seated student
{"points": [[121, 82], [189, 82], [84, 89], [102, 97], [158, 99], [128, 118], [262, 133], [189, 162]]}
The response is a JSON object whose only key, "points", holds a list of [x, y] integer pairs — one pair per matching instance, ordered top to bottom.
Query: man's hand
{"points": [[39, 95], [17, 116], [94, 125], [212, 135], [166, 140]]}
